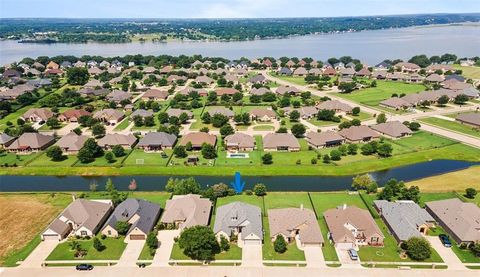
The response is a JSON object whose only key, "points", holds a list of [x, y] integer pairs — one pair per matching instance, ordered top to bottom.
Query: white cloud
{"points": [[239, 8]]}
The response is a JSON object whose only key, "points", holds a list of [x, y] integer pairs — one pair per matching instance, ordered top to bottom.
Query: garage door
{"points": [[50, 237], [137, 237], [252, 242]]}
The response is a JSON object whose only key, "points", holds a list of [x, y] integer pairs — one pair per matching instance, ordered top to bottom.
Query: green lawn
{"points": [[472, 72], [292, 79], [384, 90], [122, 125], [453, 126], [263, 127], [14, 159], [149, 159], [254, 159], [43, 160], [101, 161], [158, 197], [276, 200], [113, 251], [234, 253], [292, 253], [145, 254], [465, 255]]}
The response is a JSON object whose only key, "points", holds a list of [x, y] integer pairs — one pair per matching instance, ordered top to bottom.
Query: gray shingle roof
{"points": [[158, 138], [237, 214]]}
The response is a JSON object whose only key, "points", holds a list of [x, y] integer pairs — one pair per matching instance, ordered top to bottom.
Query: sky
{"points": [[227, 8]]}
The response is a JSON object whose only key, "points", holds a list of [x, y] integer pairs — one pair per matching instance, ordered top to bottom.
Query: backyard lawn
{"points": [[472, 72], [292, 79], [384, 90], [453, 126], [139, 157], [14, 159], [43, 160], [276, 200], [22, 217], [113, 250]]}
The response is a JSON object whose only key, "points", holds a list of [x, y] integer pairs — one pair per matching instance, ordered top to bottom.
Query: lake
{"points": [[369, 46], [274, 183]]}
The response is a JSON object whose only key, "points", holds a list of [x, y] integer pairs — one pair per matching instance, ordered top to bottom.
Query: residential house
{"points": [[53, 65], [407, 67], [439, 67], [95, 70], [285, 71], [300, 71], [329, 71], [49, 72], [347, 72], [364, 72], [396, 76], [434, 78], [257, 79], [204, 80], [40, 82], [93, 83], [281, 90], [16, 91], [93, 91], [226, 91], [260, 91], [155, 95], [118, 96], [395, 103], [335, 105], [221, 110], [178, 112], [306, 112], [142, 113], [37, 114], [73, 115], [262, 115], [109, 116], [472, 119], [392, 129], [360, 133], [197, 139], [324, 139], [5, 140], [110, 140], [157, 141], [30, 142], [239, 142], [280, 142], [71, 143], [183, 211], [141, 215], [81, 218], [240, 219], [405, 219], [459, 219], [293, 223], [350, 227]]}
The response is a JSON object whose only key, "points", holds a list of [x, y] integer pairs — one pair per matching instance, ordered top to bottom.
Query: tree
{"points": [[420, 60], [77, 76], [347, 87], [460, 99], [443, 100], [356, 111], [294, 115], [162, 117], [183, 118], [206, 118], [381, 118], [218, 120], [137, 121], [149, 121], [53, 123], [414, 126], [98, 130], [226, 130], [298, 130], [352, 149], [367, 149], [384, 150], [118, 151], [208, 151], [180, 152], [55, 153], [85, 155], [335, 155], [109, 157], [267, 158], [326, 159], [362, 182], [93, 186], [182, 186], [220, 190], [260, 190], [470, 193], [122, 227], [152, 241], [199, 243], [224, 243], [97, 244], [280, 245], [418, 248], [476, 249]]}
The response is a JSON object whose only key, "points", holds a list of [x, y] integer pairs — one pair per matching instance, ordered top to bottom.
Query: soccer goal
{"points": [[139, 161]]}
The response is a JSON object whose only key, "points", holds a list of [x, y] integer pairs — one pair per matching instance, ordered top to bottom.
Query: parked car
{"points": [[445, 240], [353, 254], [142, 265], [84, 267]]}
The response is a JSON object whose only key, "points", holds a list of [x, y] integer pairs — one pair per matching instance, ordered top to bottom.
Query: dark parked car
{"points": [[445, 240], [353, 254], [84, 267]]}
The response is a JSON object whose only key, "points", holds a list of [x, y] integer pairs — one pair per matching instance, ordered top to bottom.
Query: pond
{"points": [[274, 183]]}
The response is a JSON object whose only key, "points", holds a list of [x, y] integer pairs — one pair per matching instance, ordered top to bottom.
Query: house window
{"points": [[109, 232], [83, 233], [374, 239]]}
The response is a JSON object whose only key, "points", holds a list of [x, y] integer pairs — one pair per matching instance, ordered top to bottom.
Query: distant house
{"points": [[53, 65], [407, 67], [439, 67], [95, 70], [285, 71], [300, 71], [329, 71], [347, 72], [364, 72], [11, 73], [396, 76], [434, 78], [257, 79], [204, 80], [93, 83], [281, 90], [16, 91], [93, 91], [225, 91], [259, 91], [155, 95], [118, 96], [395, 103], [335, 105], [221, 110], [178, 112], [306, 112], [142, 113], [37, 114], [72, 115], [262, 115], [109, 116], [472, 119], [392, 129], [359, 134], [197, 139], [324, 139], [5, 140], [110, 140], [157, 141], [30, 142], [239, 142], [280, 142], [71, 143], [183, 211], [141, 215], [81, 218], [240, 219], [405, 219], [459, 219], [293, 223], [350, 227]]}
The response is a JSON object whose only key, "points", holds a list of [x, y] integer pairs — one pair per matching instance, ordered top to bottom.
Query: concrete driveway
{"points": [[165, 242], [131, 253], [446, 253], [40, 254], [252, 255], [314, 256], [345, 259]]}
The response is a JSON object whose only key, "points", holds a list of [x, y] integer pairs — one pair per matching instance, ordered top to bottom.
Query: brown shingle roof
{"points": [[392, 128], [356, 133], [198, 138], [274, 140], [191, 209], [286, 221]]}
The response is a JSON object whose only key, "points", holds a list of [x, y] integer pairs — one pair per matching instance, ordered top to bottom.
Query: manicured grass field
{"points": [[472, 72], [294, 80], [384, 90], [122, 125], [452, 125], [263, 127], [14, 159], [149, 159], [43, 160], [101, 161], [159, 197], [276, 200], [22, 217], [113, 250], [234, 253], [145, 254], [465, 255]]}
